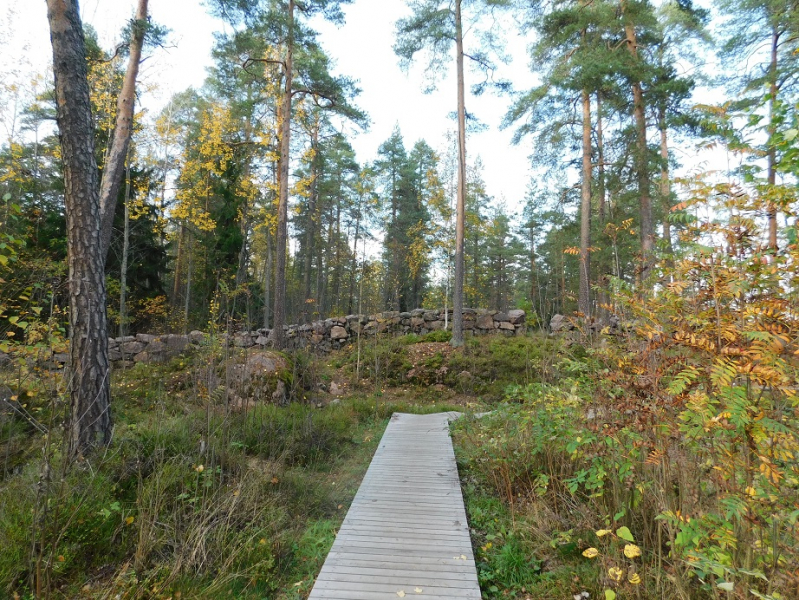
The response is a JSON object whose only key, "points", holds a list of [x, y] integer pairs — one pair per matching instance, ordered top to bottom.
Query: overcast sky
{"points": [[362, 49]]}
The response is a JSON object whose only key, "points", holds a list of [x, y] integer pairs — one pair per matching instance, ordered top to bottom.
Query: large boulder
{"points": [[517, 316], [485, 322], [560, 323], [338, 333], [260, 377]]}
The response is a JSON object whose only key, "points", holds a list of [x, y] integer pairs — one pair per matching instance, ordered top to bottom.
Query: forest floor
{"points": [[202, 497]]}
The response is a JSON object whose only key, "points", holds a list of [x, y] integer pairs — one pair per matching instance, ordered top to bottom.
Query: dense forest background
{"points": [[629, 92]]}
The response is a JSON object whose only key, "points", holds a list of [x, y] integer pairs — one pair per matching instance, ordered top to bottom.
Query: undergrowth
{"points": [[666, 454], [199, 494]]}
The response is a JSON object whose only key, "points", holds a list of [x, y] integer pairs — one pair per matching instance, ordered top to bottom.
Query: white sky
{"points": [[362, 49]]}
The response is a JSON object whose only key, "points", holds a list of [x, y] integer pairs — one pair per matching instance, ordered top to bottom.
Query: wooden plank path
{"points": [[405, 534]]}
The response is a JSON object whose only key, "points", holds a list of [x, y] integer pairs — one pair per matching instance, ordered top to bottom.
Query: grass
{"points": [[204, 495], [196, 496], [521, 554]]}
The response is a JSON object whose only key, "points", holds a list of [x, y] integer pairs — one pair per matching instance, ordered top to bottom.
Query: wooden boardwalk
{"points": [[405, 534]]}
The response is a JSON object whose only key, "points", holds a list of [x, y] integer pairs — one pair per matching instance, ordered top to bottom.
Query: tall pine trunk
{"points": [[641, 154], [665, 179], [771, 209], [460, 211], [310, 234], [123, 270], [603, 296], [584, 301], [279, 314], [89, 389]]}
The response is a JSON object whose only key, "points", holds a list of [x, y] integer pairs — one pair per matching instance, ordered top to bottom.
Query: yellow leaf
{"points": [[200, 468], [129, 520], [603, 532], [631, 551], [591, 553], [615, 573], [634, 578], [418, 590], [401, 594]]}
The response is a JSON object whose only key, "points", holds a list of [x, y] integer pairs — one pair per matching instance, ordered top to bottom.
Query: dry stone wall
{"points": [[322, 336]]}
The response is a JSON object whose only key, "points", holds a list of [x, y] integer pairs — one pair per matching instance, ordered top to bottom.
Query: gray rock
{"points": [[431, 315], [517, 316], [502, 317], [417, 322], [485, 322], [560, 323], [506, 326], [338, 333], [196, 336], [127, 338], [144, 338], [243, 340], [261, 340], [176, 343], [156, 346], [132, 347], [114, 355], [4, 359], [264, 363], [335, 389]]}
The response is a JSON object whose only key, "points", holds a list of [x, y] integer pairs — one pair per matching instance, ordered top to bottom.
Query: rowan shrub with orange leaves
{"points": [[717, 343], [682, 425]]}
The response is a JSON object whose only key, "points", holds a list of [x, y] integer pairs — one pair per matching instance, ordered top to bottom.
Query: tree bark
{"points": [[600, 149], [641, 158], [114, 165], [665, 180], [771, 209], [460, 210], [310, 234], [123, 270], [267, 278], [602, 299], [584, 301], [279, 314], [89, 390]]}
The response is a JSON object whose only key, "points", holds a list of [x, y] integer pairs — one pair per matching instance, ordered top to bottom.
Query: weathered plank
{"points": [[406, 531]]}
